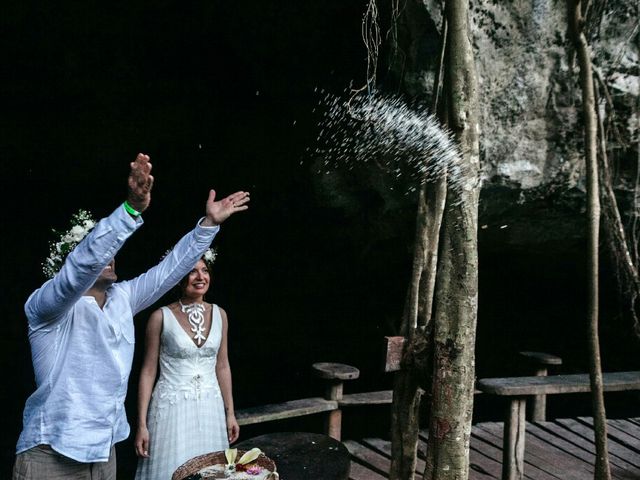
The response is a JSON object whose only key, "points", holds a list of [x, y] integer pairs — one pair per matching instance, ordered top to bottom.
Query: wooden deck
{"points": [[562, 449]]}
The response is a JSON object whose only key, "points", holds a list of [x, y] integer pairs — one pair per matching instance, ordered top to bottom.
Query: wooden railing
{"points": [[335, 374], [518, 389]]}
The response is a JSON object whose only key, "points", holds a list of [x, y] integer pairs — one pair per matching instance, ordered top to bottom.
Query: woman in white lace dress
{"points": [[190, 411]]}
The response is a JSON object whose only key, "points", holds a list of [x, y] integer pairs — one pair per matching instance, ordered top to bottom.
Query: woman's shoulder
{"points": [[172, 306], [216, 306], [159, 312], [222, 313]]}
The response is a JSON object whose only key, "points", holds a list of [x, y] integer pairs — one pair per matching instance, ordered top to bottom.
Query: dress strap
{"points": [[215, 316], [167, 318]]}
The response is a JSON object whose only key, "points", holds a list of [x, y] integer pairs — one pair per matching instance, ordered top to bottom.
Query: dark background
{"points": [[222, 95]]}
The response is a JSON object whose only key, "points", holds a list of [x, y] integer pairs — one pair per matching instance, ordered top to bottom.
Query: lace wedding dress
{"points": [[186, 414]]}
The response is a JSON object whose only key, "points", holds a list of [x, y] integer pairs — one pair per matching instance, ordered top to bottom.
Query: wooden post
{"points": [[394, 348], [540, 361], [335, 373], [513, 440]]}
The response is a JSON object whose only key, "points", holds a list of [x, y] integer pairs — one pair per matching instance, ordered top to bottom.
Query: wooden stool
{"points": [[540, 361], [335, 373]]}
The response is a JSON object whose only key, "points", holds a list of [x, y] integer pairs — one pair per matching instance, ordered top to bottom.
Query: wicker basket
{"points": [[193, 466]]}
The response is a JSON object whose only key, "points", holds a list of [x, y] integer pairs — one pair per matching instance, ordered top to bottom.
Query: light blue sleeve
{"points": [[80, 269], [147, 288]]}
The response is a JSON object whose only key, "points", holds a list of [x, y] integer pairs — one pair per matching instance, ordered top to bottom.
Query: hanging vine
{"points": [[372, 38]]}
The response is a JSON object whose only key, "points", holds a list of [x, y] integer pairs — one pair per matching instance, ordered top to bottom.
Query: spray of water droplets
{"points": [[406, 142]]}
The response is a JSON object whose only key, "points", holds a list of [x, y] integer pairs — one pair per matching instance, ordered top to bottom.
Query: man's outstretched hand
{"points": [[140, 183], [219, 211]]}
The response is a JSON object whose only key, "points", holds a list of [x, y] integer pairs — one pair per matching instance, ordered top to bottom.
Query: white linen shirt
{"points": [[82, 354]]}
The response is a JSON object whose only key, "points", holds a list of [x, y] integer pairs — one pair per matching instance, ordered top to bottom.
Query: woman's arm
{"points": [[223, 372], [147, 380]]}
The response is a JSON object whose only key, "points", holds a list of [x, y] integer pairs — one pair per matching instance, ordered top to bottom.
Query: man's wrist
{"points": [[130, 210]]}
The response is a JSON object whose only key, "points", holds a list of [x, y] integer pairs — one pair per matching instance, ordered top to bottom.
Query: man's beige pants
{"points": [[42, 462]]}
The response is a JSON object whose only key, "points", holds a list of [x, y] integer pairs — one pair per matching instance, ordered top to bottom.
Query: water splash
{"points": [[409, 143]]}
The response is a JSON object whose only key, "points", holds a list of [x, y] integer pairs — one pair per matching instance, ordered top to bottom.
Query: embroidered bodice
{"points": [[184, 367]]}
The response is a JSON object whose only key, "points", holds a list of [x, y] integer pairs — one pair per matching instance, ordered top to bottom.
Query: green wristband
{"points": [[130, 210]]}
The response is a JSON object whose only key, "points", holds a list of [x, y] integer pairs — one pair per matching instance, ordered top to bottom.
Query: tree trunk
{"points": [[576, 26], [618, 245], [457, 290], [408, 384], [406, 392], [404, 425]]}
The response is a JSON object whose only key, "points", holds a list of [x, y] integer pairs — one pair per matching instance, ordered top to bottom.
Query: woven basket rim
{"points": [[196, 464]]}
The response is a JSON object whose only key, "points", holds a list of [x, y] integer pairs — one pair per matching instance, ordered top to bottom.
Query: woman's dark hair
{"points": [[179, 287]]}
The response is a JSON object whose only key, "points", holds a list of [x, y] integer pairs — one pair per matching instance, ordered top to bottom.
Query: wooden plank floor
{"points": [[562, 449]]}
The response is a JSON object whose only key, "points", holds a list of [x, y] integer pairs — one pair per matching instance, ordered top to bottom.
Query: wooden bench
{"points": [[335, 374], [519, 388], [281, 411]]}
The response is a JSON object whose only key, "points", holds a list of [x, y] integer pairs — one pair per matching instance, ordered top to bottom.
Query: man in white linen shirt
{"points": [[82, 338]]}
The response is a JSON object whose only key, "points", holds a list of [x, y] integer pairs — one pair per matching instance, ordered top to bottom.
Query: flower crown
{"points": [[81, 224], [210, 256]]}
